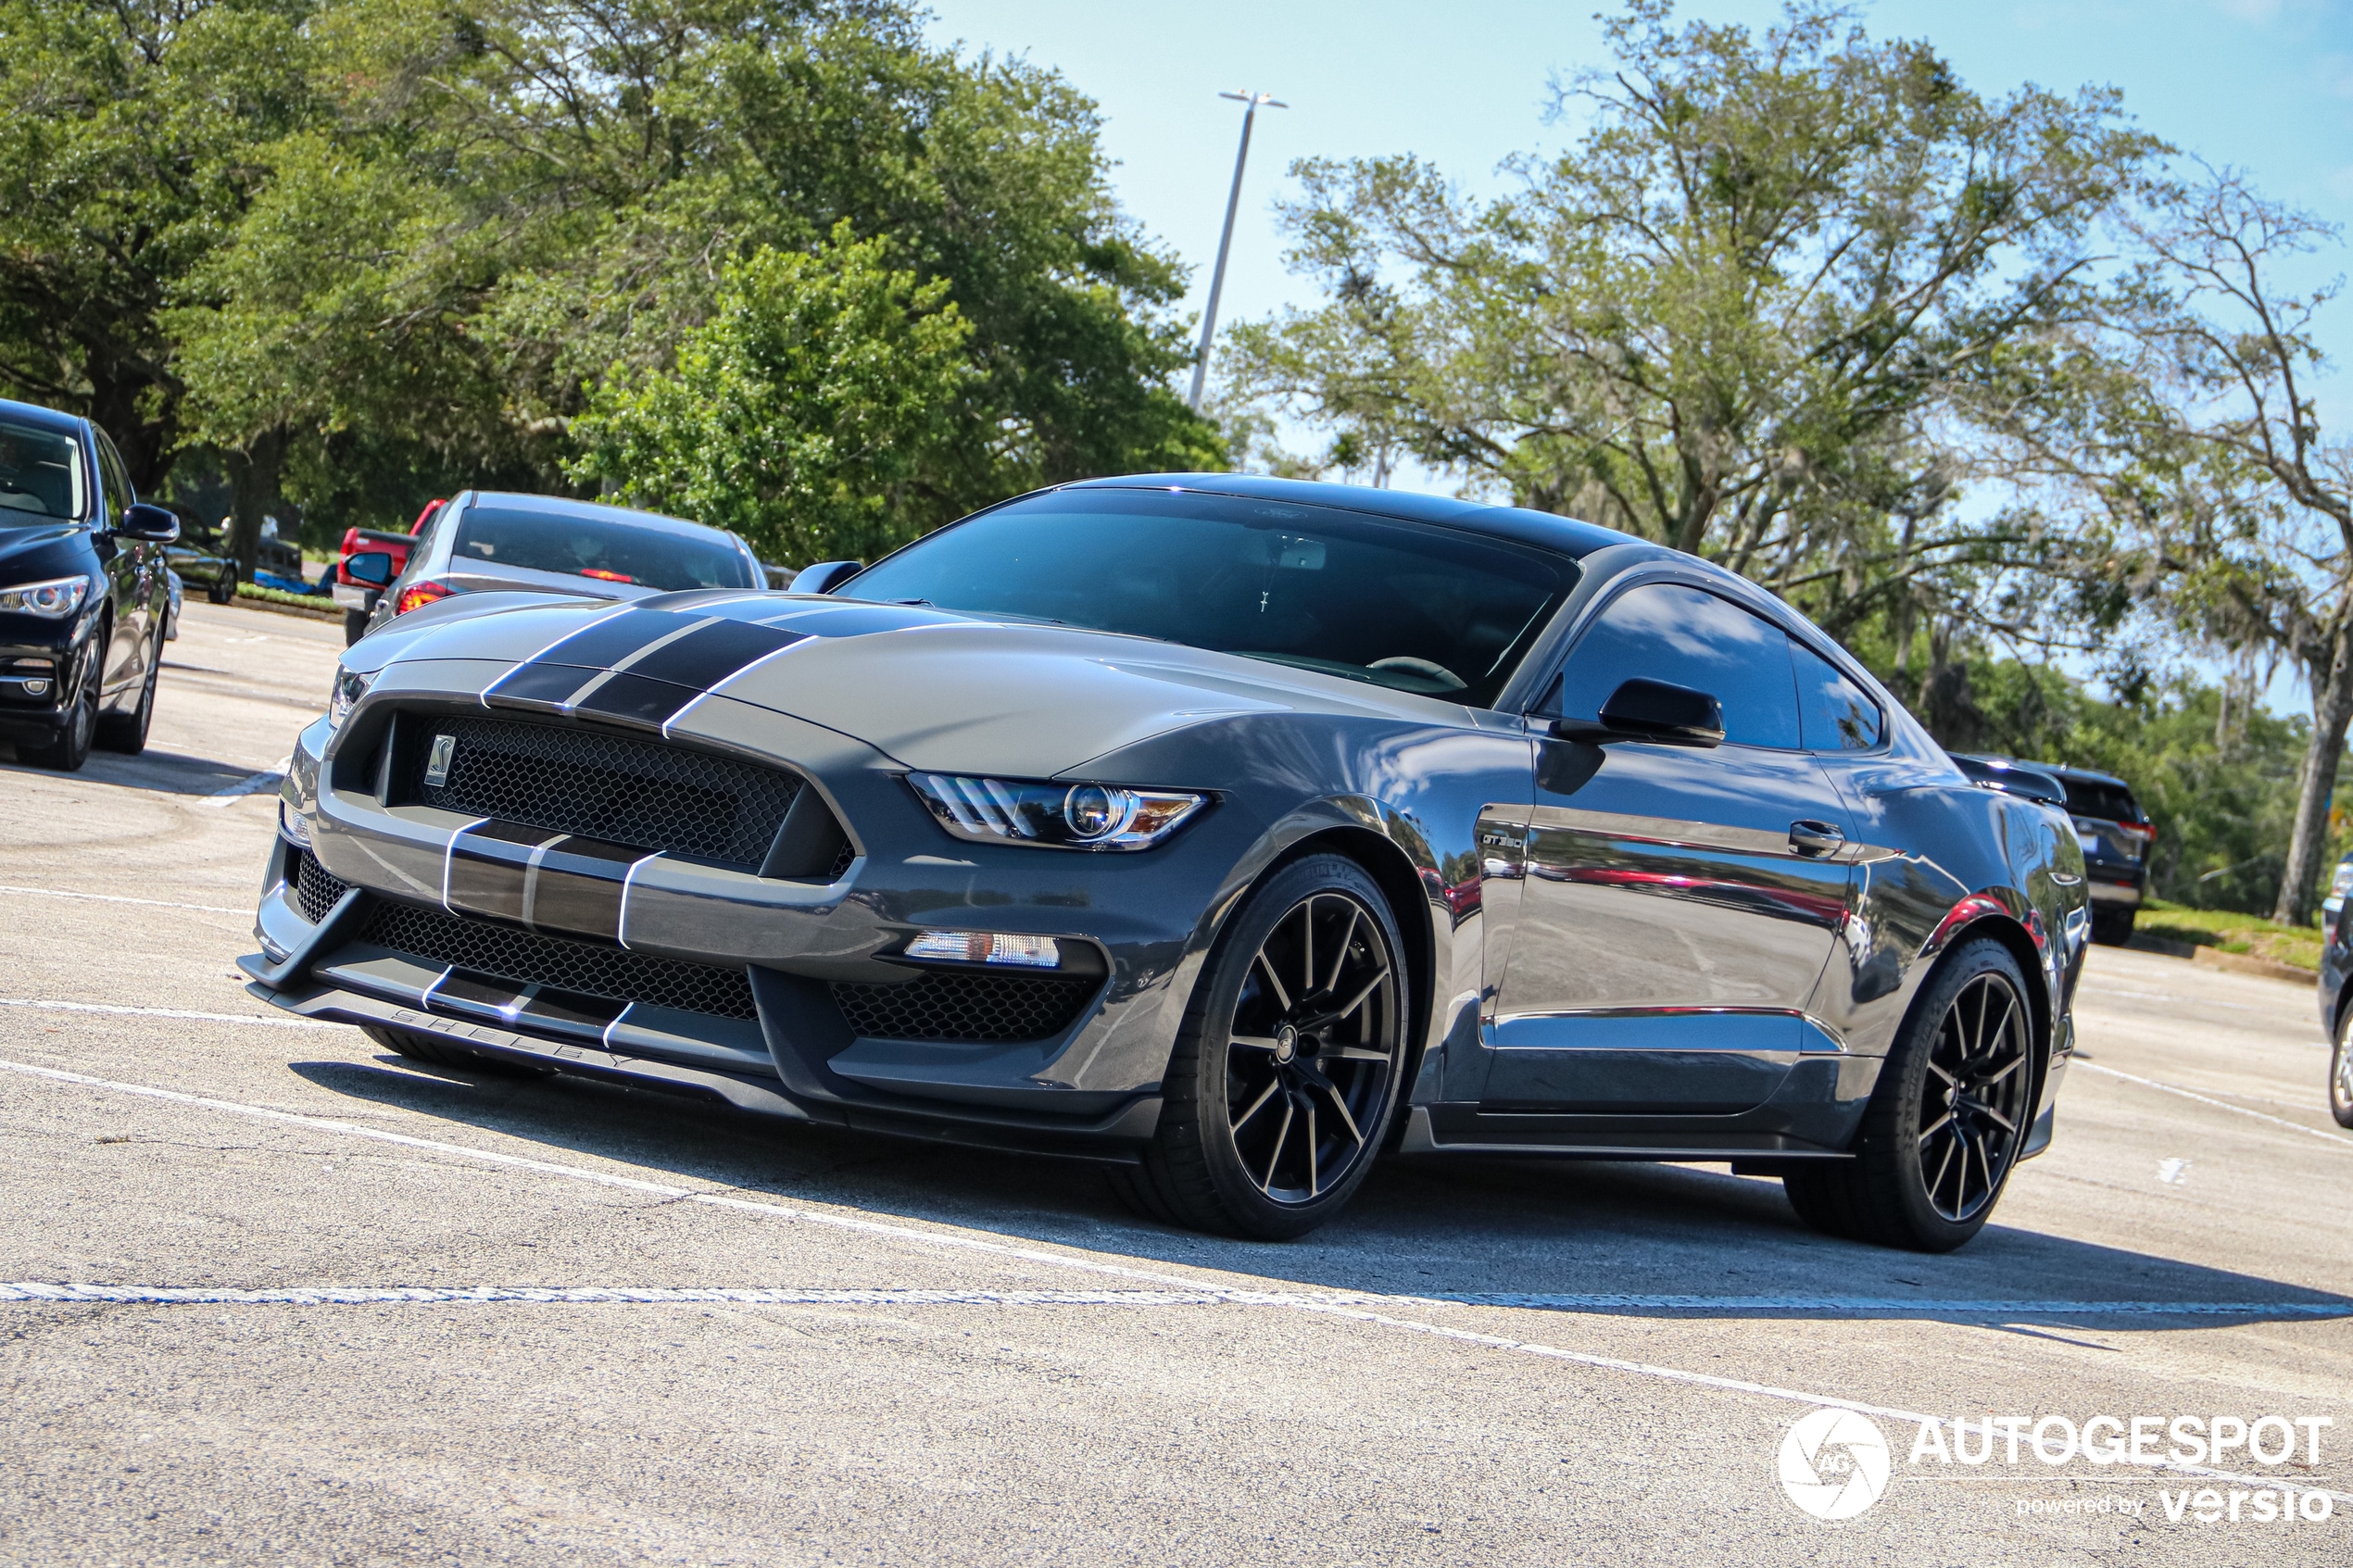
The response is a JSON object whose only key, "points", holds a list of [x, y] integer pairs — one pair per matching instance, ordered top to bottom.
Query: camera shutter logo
{"points": [[1835, 1464]]}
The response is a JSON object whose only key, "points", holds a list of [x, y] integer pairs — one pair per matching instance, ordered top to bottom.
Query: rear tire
{"points": [[225, 588], [355, 626], [2112, 928], [419, 1047], [1289, 1064], [2341, 1072], [1956, 1091]]}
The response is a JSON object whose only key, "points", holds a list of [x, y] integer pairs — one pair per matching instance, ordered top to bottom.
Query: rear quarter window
{"points": [[2113, 803]]}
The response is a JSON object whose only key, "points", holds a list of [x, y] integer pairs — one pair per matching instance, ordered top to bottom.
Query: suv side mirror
{"points": [[142, 521], [372, 567], [825, 576], [1653, 712]]}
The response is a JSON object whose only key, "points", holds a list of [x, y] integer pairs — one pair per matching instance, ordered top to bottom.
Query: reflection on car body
{"points": [[1225, 830]]}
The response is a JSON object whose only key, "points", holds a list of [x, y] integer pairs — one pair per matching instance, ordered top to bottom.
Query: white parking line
{"points": [[253, 783], [119, 899], [167, 1012], [2341, 1142]]}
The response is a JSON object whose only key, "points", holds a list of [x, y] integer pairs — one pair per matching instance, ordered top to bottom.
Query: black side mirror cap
{"points": [[142, 521], [825, 576], [1653, 712]]}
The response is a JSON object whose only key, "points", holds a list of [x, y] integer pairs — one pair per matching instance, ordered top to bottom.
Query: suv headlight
{"points": [[53, 600], [350, 685], [1085, 816]]}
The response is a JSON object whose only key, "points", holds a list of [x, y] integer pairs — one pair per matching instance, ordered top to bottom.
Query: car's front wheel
{"points": [[224, 586], [71, 748], [1289, 1064], [2341, 1072], [1946, 1121]]}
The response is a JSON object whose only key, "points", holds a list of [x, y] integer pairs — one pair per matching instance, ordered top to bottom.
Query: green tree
{"points": [[1728, 317], [824, 387]]}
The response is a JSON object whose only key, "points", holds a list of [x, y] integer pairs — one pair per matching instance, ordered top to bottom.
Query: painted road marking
{"points": [[253, 783], [119, 899], [167, 1012], [2341, 1142], [985, 1247]]}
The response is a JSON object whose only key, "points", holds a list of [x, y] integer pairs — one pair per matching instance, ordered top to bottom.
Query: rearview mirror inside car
{"points": [[372, 567], [1653, 712]]}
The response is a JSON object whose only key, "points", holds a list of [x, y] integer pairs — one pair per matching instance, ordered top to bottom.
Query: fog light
{"points": [[36, 688], [290, 823], [984, 946]]}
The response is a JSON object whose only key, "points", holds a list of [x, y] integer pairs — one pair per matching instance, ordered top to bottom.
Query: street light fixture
{"points": [[1252, 101]]}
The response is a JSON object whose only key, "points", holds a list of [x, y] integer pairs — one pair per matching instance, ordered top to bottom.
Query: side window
{"points": [[113, 475], [1666, 632], [1833, 710]]}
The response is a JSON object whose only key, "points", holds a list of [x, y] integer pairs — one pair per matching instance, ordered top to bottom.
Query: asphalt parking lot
{"points": [[328, 1306]]}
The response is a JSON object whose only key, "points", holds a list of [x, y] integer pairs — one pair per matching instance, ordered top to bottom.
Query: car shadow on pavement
{"points": [[164, 773], [1615, 1237]]}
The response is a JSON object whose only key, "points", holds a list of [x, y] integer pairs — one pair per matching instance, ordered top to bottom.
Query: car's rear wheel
{"points": [[223, 587], [355, 626], [2112, 928], [424, 1048], [1289, 1064], [2341, 1072], [1946, 1121]]}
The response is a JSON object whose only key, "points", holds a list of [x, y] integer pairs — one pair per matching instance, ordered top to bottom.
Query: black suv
{"points": [[85, 590], [2117, 837]]}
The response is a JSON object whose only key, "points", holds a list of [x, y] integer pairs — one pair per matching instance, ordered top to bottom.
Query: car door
{"points": [[136, 568], [1679, 905]]}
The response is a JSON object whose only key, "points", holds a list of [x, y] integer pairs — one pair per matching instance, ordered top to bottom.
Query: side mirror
{"points": [[142, 521], [372, 567], [825, 576], [1653, 712]]}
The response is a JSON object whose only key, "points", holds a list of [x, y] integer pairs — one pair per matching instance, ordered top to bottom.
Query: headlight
{"points": [[53, 600], [349, 685], [1056, 816]]}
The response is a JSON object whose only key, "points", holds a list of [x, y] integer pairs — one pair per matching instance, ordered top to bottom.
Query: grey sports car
{"points": [[1228, 831]]}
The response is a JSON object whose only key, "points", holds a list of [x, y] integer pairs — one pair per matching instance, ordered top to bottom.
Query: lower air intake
{"points": [[315, 890], [560, 963], [961, 1005]]}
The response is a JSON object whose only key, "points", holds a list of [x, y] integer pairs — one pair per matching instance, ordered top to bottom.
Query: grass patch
{"points": [[317, 604], [2231, 932]]}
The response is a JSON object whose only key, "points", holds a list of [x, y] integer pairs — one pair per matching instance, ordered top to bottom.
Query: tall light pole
{"points": [[1226, 241]]}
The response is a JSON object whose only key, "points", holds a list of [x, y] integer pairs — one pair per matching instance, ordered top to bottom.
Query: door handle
{"points": [[1815, 838]]}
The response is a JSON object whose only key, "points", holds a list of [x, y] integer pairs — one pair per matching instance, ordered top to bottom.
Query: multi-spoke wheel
{"points": [[1286, 1069], [2341, 1072], [1947, 1120]]}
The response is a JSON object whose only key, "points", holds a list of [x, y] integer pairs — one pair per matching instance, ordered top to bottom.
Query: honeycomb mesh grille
{"points": [[613, 787], [315, 890], [560, 963], [957, 1005]]}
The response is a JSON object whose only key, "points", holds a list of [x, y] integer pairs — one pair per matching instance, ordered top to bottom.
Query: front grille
{"points": [[614, 788], [315, 890], [558, 963], [963, 1005]]}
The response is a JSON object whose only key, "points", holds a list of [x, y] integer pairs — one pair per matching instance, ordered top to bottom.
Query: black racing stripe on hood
{"points": [[709, 653], [640, 667], [634, 700]]}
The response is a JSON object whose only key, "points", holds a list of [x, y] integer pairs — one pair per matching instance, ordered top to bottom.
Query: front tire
{"points": [[225, 588], [71, 748], [437, 1052], [1289, 1064], [2341, 1072], [1946, 1123]]}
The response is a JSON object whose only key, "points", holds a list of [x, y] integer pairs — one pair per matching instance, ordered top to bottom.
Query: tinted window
{"points": [[41, 476], [116, 477], [595, 547], [1419, 609], [1665, 632], [1832, 710], [2089, 797]]}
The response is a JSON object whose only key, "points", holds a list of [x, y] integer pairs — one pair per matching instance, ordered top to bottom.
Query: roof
{"points": [[43, 419], [565, 506], [1547, 529], [2056, 770]]}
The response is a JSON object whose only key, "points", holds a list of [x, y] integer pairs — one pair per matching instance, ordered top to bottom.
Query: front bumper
{"points": [[804, 959]]}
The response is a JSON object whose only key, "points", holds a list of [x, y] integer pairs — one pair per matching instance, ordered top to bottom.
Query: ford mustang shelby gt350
{"points": [[1230, 831]]}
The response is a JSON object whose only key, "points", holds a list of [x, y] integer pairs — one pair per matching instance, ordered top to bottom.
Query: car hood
{"points": [[30, 555], [931, 689]]}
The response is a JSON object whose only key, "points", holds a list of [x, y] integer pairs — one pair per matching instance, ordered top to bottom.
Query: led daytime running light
{"points": [[1053, 816]]}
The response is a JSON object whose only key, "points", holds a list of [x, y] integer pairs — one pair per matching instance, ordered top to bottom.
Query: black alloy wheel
{"points": [[127, 733], [71, 748], [1288, 1066], [2341, 1071], [1947, 1121]]}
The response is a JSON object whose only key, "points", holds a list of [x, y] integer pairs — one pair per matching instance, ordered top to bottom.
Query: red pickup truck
{"points": [[371, 561]]}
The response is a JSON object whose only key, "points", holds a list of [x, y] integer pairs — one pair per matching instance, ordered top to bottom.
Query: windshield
{"points": [[41, 476], [606, 548], [1404, 604]]}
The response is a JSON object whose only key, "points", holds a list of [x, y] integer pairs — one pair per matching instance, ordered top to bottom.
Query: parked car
{"points": [[488, 541], [199, 554], [371, 559], [83, 591], [177, 596], [1224, 830], [2116, 834], [2336, 991]]}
